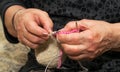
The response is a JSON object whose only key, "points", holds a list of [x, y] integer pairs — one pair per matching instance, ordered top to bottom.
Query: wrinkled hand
{"points": [[32, 27], [92, 40]]}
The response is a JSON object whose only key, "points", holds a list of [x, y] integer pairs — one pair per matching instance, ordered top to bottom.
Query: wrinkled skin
{"points": [[32, 27], [93, 39]]}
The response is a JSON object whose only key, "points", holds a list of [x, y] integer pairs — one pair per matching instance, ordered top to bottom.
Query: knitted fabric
{"points": [[50, 53]]}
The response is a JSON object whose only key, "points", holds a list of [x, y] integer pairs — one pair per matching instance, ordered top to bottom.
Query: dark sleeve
{"points": [[4, 4]]}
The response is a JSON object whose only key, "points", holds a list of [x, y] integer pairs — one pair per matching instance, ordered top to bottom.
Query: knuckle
{"points": [[44, 12], [83, 20], [71, 22], [90, 38]]}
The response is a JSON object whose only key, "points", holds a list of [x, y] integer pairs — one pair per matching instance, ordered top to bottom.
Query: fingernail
{"points": [[50, 31], [45, 34]]}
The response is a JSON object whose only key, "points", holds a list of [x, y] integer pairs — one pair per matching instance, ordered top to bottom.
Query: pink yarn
{"points": [[68, 32], [61, 53], [60, 60]]}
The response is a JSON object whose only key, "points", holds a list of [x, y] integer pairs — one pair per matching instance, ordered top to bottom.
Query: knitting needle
{"points": [[77, 26]]}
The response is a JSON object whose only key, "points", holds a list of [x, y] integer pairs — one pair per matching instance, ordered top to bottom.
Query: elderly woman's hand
{"points": [[32, 26], [92, 40]]}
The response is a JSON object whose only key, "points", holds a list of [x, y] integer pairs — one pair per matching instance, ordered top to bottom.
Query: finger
{"points": [[45, 20], [85, 24], [79, 25], [70, 26], [33, 28], [22, 37], [33, 38], [72, 38], [76, 38], [24, 41], [73, 50], [80, 57]]}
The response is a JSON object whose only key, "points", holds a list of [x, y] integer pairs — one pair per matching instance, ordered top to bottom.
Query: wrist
{"points": [[13, 18], [8, 19]]}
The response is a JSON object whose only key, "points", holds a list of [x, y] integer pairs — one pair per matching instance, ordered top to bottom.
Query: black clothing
{"points": [[63, 11]]}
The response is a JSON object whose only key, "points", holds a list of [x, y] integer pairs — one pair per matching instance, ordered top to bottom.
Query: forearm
{"points": [[8, 18], [115, 37]]}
